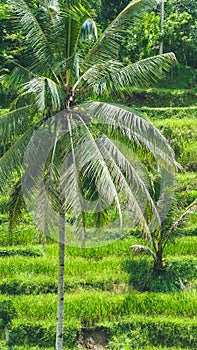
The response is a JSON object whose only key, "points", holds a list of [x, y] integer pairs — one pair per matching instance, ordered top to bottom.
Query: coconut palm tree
{"points": [[66, 150], [161, 237]]}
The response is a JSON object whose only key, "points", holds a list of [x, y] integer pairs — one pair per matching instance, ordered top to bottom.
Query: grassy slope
{"points": [[101, 283], [90, 302]]}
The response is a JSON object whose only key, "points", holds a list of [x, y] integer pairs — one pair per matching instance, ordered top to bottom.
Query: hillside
{"points": [[102, 300], [111, 300]]}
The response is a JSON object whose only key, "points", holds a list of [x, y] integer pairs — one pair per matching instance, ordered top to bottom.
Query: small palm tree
{"points": [[64, 64], [161, 237]]}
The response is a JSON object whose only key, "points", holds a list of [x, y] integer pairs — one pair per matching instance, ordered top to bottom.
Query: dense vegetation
{"points": [[114, 298]]}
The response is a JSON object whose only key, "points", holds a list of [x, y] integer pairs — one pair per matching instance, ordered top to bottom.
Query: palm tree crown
{"points": [[57, 74]]}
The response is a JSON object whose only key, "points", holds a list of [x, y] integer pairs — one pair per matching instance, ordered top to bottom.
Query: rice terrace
{"points": [[98, 174]]}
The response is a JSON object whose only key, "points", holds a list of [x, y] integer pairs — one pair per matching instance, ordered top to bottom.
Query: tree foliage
{"points": [[143, 40]]}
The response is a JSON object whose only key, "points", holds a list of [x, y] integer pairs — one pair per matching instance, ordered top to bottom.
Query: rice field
{"points": [[106, 288]]}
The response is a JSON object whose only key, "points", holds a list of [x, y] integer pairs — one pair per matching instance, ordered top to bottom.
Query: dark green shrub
{"points": [[161, 97], [187, 197], [188, 231], [22, 252], [186, 268], [138, 271], [143, 278], [164, 282], [15, 287], [7, 313], [158, 331], [32, 335], [130, 340]]}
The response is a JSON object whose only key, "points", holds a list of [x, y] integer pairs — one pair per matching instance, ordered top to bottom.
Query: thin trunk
{"points": [[162, 27], [83, 230], [10, 236], [43, 244], [158, 262], [60, 311], [7, 337]]}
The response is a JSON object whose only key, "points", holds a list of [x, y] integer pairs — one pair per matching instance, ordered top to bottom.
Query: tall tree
{"points": [[59, 154]]}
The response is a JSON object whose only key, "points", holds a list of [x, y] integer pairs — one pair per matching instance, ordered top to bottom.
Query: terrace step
{"points": [[161, 332]]}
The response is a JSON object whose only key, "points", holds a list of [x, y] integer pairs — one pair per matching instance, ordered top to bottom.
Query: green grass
{"points": [[158, 113], [182, 136], [187, 180], [182, 246], [84, 263], [108, 268], [79, 271], [87, 305], [92, 307], [138, 329], [163, 348]]}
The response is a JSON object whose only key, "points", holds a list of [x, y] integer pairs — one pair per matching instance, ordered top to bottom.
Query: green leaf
{"points": [[106, 47]]}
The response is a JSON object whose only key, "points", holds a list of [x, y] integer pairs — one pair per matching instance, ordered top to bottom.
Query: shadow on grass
{"points": [[143, 278]]}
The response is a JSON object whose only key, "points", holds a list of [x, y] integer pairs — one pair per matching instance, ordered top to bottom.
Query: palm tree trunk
{"points": [[162, 27], [158, 261], [60, 310], [7, 337]]}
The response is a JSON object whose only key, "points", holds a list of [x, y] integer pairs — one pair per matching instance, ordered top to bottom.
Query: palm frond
{"points": [[53, 10], [74, 18], [52, 20], [35, 34], [106, 47], [19, 75], [98, 76], [111, 76], [45, 93], [14, 123], [133, 127], [86, 157], [36, 159], [12, 160], [38, 185], [134, 187], [165, 193], [131, 199], [75, 202], [15, 205], [41, 206], [191, 209], [137, 248]]}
